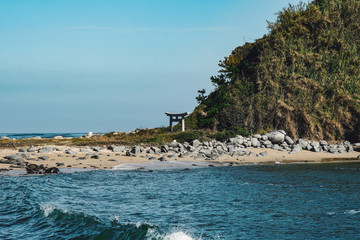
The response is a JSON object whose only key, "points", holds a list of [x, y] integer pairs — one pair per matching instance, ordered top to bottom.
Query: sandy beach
{"points": [[106, 159]]}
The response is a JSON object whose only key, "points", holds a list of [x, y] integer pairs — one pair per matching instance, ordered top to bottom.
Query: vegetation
{"points": [[303, 77]]}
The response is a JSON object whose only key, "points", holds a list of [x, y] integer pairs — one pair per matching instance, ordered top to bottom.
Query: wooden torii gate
{"points": [[177, 117]]}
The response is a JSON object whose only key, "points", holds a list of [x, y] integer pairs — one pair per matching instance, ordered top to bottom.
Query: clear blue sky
{"points": [[106, 65]]}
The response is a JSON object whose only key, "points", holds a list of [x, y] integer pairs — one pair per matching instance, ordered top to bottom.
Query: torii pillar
{"points": [[177, 117]]}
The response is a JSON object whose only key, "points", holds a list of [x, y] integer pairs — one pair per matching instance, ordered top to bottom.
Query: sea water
{"points": [[42, 135], [309, 201]]}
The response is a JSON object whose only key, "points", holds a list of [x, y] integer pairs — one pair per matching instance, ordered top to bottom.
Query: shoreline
{"points": [[77, 159]]}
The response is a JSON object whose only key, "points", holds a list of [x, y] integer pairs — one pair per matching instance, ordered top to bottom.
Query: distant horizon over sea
{"points": [[42, 135]]}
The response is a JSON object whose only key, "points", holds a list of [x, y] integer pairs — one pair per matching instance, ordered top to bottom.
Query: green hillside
{"points": [[303, 77]]}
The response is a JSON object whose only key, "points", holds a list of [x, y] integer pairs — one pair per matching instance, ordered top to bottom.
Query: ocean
{"points": [[42, 135], [303, 201]]}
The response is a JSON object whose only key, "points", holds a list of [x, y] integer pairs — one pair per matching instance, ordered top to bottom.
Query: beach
{"points": [[104, 158]]}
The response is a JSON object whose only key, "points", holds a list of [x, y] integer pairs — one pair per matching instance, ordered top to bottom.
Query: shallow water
{"points": [[310, 201]]}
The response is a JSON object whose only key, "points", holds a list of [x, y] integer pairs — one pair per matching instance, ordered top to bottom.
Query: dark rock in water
{"points": [[162, 159], [35, 169], [4, 170], [52, 170]]}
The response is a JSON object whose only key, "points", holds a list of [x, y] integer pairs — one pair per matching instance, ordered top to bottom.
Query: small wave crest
{"points": [[352, 212], [80, 224]]}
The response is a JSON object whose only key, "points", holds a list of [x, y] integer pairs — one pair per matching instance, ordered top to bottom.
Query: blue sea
{"points": [[42, 135], [305, 201]]}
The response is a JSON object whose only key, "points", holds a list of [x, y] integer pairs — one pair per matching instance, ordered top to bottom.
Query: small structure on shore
{"points": [[177, 117]]}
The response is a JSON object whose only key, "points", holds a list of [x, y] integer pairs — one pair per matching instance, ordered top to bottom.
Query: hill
{"points": [[303, 77]]}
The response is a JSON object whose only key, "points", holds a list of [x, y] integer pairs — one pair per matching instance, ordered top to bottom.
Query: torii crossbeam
{"points": [[177, 117]]}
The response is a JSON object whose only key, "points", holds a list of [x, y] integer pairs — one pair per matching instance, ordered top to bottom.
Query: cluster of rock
{"points": [[239, 146], [235, 147], [40, 169]]}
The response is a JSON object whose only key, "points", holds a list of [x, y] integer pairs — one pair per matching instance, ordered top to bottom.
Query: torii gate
{"points": [[177, 117]]}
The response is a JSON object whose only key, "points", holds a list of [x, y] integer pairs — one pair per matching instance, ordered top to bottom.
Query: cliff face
{"points": [[303, 76]]}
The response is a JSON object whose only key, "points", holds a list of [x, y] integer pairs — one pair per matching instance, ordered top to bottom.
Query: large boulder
{"points": [[276, 137]]}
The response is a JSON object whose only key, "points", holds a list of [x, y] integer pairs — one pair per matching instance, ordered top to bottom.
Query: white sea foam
{"points": [[47, 209], [352, 212], [178, 236]]}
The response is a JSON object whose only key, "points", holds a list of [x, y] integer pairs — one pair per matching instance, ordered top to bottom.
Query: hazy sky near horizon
{"points": [[106, 65]]}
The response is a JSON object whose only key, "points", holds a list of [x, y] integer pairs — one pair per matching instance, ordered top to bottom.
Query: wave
{"points": [[352, 212], [78, 225]]}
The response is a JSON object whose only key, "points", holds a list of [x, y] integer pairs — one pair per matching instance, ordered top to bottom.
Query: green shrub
{"points": [[187, 136]]}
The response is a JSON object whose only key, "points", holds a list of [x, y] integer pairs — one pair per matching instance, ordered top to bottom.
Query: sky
{"points": [[115, 65]]}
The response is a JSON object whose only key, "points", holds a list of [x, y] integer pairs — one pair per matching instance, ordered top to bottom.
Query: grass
{"points": [[145, 137]]}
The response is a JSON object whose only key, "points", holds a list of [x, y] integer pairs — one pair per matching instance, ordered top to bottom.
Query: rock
{"points": [[283, 132], [90, 134], [257, 136], [58, 137], [264, 137], [276, 137], [4, 138], [288, 140], [255, 142], [195, 143], [303, 143], [323, 143], [173, 144], [315, 146], [275, 147], [114, 148], [296, 148], [32, 149], [96, 149], [22, 150], [45, 150], [84, 150], [137, 150], [70, 151], [263, 154], [14, 157], [95, 157], [43, 158], [162, 159], [112, 160], [60, 164], [35, 169], [53, 170]]}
